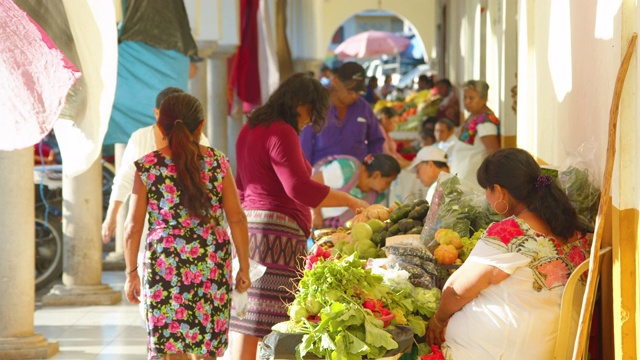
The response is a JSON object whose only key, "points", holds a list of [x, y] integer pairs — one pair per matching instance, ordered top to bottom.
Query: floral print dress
{"points": [[187, 265], [518, 317]]}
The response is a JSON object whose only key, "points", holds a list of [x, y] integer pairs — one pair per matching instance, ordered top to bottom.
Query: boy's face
{"points": [[441, 132], [427, 172]]}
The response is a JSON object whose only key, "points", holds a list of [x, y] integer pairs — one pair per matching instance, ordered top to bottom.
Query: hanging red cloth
{"points": [[244, 72]]}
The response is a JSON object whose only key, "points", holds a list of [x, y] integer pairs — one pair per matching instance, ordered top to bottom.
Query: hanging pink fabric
{"points": [[36, 77]]}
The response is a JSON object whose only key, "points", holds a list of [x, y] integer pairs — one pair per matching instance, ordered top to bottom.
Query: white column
{"points": [[198, 84], [217, 106], [222, 129], [81, 224], [115, 259], [17, 260]]}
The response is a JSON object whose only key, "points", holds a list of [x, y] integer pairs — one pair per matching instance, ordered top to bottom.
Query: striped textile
{"points": [[277, 242]]}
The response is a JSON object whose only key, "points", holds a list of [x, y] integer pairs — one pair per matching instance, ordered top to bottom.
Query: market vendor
{"points": [[449, 106], [388, 118], [352, 127], [478, 136], [429, 162], [368, 181], [504, 301]]}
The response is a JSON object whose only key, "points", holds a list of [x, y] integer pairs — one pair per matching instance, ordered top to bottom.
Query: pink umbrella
{"points": [[371, 44]]}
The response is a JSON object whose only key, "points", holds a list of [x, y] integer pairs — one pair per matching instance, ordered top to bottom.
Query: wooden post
{"points": [[582, 338]]}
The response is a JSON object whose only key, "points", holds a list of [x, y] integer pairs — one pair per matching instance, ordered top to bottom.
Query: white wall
{"points": [[481, 44], [566, 77]]}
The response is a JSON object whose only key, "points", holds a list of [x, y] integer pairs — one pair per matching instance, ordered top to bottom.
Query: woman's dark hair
{"points": [[446, 82], [298, 90], [166, 92], [387, 111], [180, 117], [446, 122], [385, 164], [440, 164], [516, 171]]}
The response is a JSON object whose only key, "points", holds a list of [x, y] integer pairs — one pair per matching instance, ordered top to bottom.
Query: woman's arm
{"points": [[491, 143], [337, 198], [316, 214], [237, 220], [132, 233], [462, 287]]}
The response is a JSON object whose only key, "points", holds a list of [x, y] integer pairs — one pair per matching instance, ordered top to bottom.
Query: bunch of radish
{"points": [[317, 254]]}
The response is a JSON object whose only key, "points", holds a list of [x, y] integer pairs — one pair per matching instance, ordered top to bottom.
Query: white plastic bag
{"points": [[240, 301]]}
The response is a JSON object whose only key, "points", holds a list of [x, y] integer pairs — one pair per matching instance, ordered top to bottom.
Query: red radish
{"points": [[319, 251], [326, 254]]}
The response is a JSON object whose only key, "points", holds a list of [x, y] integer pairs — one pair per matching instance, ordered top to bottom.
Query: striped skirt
{"points": [[277, 242]]}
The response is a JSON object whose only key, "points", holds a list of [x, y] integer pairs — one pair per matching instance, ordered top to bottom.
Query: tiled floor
{"points": [[94, 332]]}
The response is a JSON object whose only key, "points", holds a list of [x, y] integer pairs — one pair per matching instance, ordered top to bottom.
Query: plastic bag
{"points": [[578, 180], [457, 205], [240, 301]]}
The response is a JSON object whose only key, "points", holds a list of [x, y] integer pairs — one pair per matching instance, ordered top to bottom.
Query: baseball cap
{"points": [[352, 75], [428, 153]]}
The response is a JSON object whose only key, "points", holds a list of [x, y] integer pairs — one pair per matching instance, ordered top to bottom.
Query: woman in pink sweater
{"points": [[277, 193]]}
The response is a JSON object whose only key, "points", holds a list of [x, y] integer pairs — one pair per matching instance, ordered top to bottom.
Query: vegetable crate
{"points": [[444, 271]]}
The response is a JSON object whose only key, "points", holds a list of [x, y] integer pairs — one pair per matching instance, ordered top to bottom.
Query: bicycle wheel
{"points": [[48, 250]]}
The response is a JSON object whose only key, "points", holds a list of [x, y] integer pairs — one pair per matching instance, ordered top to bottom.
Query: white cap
{"points": [[428, 153]]}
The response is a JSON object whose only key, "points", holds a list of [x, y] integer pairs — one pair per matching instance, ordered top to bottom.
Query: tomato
{"points": [[446, 254]]}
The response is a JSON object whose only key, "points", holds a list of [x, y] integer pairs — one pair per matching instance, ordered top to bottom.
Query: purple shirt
{"points": [[358, 135]]}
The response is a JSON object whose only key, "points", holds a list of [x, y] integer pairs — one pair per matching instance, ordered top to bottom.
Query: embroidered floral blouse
{"points": [[469, 130], [551, 262], [502, 320]]}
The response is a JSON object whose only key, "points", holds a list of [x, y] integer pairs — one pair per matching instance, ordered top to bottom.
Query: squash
{"points": [[376, 211], [359, 218], [445, 254]]}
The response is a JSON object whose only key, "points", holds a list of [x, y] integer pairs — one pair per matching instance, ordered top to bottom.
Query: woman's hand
{"points": [[356, 204], [316, 218], [108, 229], [243, 282], [132, 288], [436, 331]]}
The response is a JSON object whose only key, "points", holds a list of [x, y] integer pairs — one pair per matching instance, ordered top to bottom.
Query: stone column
{"points": [[198, 84], [217, 101], [235, 122], [81, 224], [115, 259], [17, 260]]}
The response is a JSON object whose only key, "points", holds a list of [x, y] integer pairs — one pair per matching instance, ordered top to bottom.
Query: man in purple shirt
{"points": [[352, 127]]}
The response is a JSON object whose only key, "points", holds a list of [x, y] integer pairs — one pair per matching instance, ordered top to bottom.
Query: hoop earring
{"points": [[500, 212]]}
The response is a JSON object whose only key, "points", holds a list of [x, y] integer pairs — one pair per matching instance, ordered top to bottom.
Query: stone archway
{"points": [[422, 14]]}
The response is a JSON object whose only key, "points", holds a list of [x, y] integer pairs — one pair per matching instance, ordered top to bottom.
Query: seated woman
{"points": [[388, 119], [478, 136], [368, 181], [504, 301]]}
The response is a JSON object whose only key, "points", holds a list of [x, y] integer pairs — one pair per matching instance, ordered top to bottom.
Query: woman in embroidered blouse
{"points": [[478, 136], [504, 301]]}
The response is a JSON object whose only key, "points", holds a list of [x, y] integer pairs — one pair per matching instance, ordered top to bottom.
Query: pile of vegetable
{"points": [[583, 194], [458, 207], [405, 219], [345, 310]]}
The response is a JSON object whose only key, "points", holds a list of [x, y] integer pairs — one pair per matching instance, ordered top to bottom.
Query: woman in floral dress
{"points": [[186, 189], [504, 301]]}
